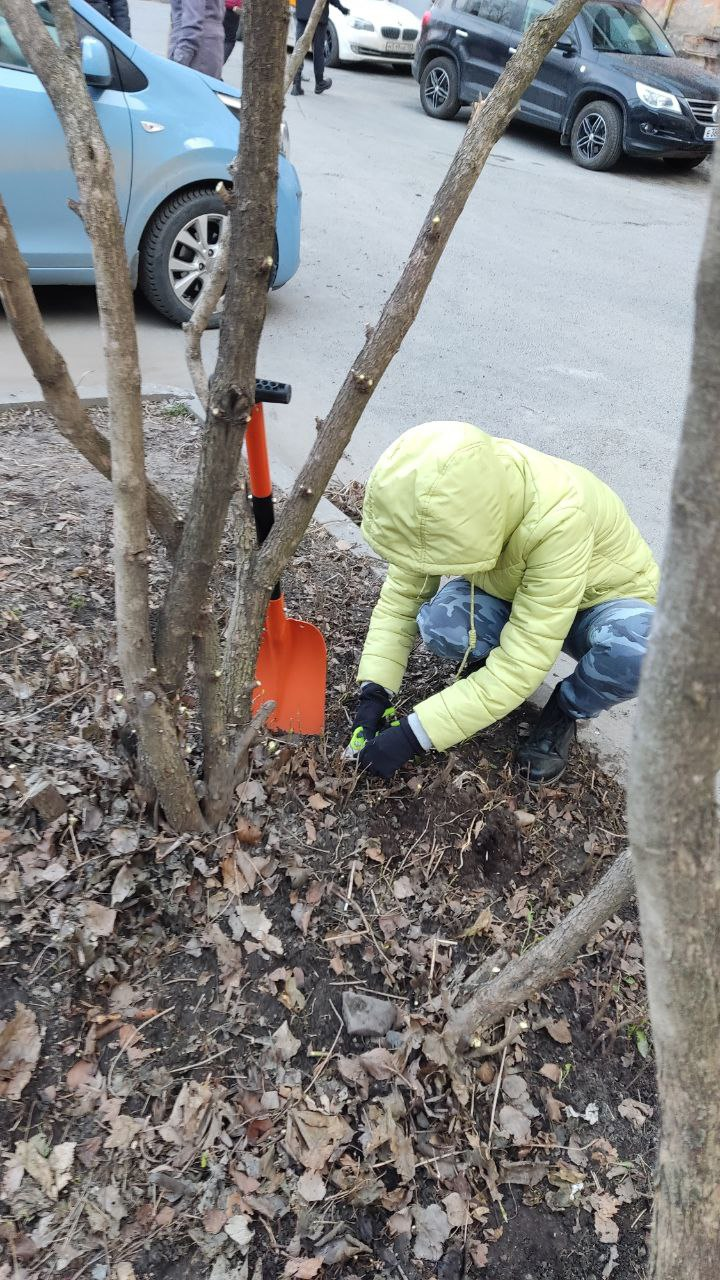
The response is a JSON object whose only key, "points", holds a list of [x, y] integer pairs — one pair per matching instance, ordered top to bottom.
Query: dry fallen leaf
{"points": [[318, 802], [247, 832], [123, 840], [123, 885], [402, 888], [246, 918], [97, 921], [481, 924], [559, 1030], [20, 1041], [284, 1044], [551, 1072], [80, 1075], [636, 1112], [514, 1125], [313, 1139], [50, 1168], [311, 1187], [605, 1206], [457, 1210], [214, 1220], [238, 1229], [432, 1229], [479, 1255], [302, 1268]]}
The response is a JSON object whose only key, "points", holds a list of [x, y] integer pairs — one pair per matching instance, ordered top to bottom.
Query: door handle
{"points": [[462, 34], [512, 48]]}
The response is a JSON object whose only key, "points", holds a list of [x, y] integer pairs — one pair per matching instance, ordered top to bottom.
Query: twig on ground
{"points": [[496, 1095]]}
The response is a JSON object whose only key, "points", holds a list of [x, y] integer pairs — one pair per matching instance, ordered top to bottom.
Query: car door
{"points": [[484, 31], [544, 102], [36, 179]]}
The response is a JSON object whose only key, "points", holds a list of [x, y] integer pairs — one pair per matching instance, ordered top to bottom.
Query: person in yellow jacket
{"points": [[541, 556]]}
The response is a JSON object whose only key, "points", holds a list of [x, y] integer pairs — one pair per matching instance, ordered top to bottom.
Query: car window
{"points": [[534, 8], [506, 12], [617, 28], [10, 55]]}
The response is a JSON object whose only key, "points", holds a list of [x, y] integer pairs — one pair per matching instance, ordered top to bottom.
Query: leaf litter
{"points": [[179, 1082]]}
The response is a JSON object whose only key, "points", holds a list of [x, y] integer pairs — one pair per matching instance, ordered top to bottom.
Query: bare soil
{"points": [[196, 1108]]}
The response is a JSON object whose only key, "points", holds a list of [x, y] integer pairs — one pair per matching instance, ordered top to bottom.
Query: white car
{"points": [[373, 31]]}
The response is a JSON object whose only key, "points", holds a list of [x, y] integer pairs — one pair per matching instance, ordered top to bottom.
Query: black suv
{"points": [[613, 83]]}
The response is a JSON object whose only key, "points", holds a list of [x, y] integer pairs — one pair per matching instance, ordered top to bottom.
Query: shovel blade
{"points": [[291, 672]]}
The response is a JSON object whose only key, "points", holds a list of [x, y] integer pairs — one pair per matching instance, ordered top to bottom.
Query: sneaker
{"points": [[322, 85], [297, 90], [544, 755]]}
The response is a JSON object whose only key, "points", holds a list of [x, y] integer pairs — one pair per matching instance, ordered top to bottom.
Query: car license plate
{"points": [[397, 46], [711, 133]]}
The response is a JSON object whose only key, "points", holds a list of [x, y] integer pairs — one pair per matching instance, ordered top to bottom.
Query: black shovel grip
{"points": [[268, 392]]}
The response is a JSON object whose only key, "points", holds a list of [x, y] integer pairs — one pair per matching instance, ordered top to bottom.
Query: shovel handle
{"points": [[260, 482]]}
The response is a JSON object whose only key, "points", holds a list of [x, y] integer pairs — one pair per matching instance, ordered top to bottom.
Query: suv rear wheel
{"points": [[332, 46], [439, 89], [596, 140], [177, 251]]}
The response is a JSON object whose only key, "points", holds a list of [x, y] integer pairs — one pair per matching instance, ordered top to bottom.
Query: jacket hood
{"points": [[437, 501]]}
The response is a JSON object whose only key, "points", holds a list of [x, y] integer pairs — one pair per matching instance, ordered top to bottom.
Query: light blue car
{"points": [[173, 133]]}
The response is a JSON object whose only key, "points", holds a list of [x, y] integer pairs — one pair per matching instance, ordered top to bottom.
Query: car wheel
{"points": [[332, 47], [439, 89], [596, 140], [682, 163], [177, 252]]}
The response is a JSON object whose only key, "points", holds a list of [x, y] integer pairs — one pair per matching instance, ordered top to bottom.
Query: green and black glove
{"points": [[374, 712]]}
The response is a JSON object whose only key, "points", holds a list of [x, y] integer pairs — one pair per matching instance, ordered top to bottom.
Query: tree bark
{"points": [[302, 47], [59, 69], [486, 126], [200, 318], [51, 372], [232, 386], [674, 818], [544, 963]]}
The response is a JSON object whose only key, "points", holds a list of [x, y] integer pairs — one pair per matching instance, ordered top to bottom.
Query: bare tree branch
{"points": [[302, 47], [59, 69], [486, 126], [200, 319], [232, 386], [59, 392], [673, 814], [544, 963]]}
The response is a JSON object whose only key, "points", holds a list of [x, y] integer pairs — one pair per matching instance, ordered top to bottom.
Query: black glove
{"points": [[344, 10], [372, 708], [390, 750]]}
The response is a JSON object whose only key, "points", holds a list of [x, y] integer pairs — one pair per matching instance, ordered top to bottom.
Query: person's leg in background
{"points": [[231, 22], [300, 25], [321, 84], [444, 623], [610, 642]]}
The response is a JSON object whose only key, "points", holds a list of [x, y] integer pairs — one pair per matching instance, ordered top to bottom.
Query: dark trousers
{"points": [[231, 22], [318, 48]]}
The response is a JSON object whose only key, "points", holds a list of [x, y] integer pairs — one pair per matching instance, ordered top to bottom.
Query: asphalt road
{"points": [[561, 313]]}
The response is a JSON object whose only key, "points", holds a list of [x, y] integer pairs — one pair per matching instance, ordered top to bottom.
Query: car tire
{"points": [[332, 47], [439, 89], [596, 141], [681, 164], [195, 214]]}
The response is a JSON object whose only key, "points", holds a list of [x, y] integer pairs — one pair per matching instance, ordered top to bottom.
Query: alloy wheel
{"points": [[437, 88], [592, 136], [192, 254]]}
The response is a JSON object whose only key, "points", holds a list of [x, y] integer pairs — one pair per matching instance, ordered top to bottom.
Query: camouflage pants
{"points": [[608, 641]]}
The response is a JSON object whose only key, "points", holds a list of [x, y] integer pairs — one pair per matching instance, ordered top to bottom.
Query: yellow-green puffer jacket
{"points": [[448, 500]]}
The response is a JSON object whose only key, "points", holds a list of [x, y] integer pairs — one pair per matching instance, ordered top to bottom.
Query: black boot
{"points": [[322, 85], [297, 90], [543, 756]]}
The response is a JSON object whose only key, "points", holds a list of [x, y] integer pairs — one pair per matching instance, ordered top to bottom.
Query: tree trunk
{"points": [[302, 47], [59, 69], [487, 124], [232, 386], [674, 819], [544, 963]]}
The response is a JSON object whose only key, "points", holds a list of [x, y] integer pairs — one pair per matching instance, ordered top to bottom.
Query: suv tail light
{"points": [[425, 19]]}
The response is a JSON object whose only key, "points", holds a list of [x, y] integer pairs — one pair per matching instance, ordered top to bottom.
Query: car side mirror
{"points": [[565, 44], [96, 62]]}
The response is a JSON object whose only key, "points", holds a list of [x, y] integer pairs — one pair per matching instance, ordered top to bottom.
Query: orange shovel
{"points": [[292, 660]]}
